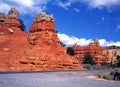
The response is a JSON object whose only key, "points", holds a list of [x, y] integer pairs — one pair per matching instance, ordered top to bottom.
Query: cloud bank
{"points": [[90, 3], [101, 3], [24, 6], [36, 6], [71, 40]]}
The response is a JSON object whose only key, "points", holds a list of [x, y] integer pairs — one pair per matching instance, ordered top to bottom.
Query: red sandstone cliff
{"points": [[40, 50], [95, 50]]}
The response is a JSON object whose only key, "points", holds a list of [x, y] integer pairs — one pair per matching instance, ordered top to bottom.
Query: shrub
{"points": [[22, 26], [70, 51], [88, 59], [118, 61], [87, 66], [93, 67], [110, 75]]}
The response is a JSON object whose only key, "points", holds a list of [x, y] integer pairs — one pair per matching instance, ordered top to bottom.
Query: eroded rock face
{"points": [[13, 13], [43, 17], [11, 20], [43, 31], [96, 42], [40, 50], [95, 50], [50, 53], [112, 53]]}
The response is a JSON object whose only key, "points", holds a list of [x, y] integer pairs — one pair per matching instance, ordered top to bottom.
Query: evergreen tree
{"points": [[22, 25], [70, 51], [88, 59]]}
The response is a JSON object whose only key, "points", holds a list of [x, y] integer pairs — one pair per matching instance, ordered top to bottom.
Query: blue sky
{"points": [[77, 21]]}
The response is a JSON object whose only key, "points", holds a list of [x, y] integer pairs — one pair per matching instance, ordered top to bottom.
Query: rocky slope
{"points": [[39, 50]]}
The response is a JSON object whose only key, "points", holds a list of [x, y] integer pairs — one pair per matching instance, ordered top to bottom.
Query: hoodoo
{"points": [[39, 50]]}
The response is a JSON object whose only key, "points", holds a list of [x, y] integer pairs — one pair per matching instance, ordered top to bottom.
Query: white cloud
{"points": [[24, 3], [91, 3], [102, 3], [64, 5], [24, 6], [35, 6], [4, 7], [77, 10], [102, 18], [118, 27], [71, 40], [113, 43]]}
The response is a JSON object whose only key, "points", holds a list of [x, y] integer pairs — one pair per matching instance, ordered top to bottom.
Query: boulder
{"points": [[10, 31]]}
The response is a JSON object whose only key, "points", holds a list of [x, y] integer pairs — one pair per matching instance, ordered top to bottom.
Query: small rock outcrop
{"points": [[13, 13], [43, 17], [2, 18], [11, 20], [42, 31], [96, 42]]}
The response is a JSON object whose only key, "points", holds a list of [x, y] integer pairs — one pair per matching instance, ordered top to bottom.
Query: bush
{"points": [[22, 25], [70, 51], [88, 59], [104, 64], [117, 64], [87, 66], [93, 67], [106, 75], [111, 75]]}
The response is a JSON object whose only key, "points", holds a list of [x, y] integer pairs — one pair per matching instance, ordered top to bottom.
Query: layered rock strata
{"points": [[95, 50], [37, 51]]}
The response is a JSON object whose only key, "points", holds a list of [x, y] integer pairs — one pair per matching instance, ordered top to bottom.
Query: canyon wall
{"points": [[40, 50]]}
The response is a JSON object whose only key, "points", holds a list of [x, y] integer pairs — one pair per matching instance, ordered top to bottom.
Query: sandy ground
{"points": [[96, 78]]}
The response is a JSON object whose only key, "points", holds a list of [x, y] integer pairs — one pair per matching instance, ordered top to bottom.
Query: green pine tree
{"points": [[22, 25], [70, 51], [88, 59]]}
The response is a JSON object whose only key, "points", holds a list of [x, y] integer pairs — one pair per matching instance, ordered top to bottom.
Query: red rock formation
{"points": [[12, 18], [12, 22], [43, 32], [45, 41], [11, 46], [40, 50], [95, 50], [112, 52]]}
